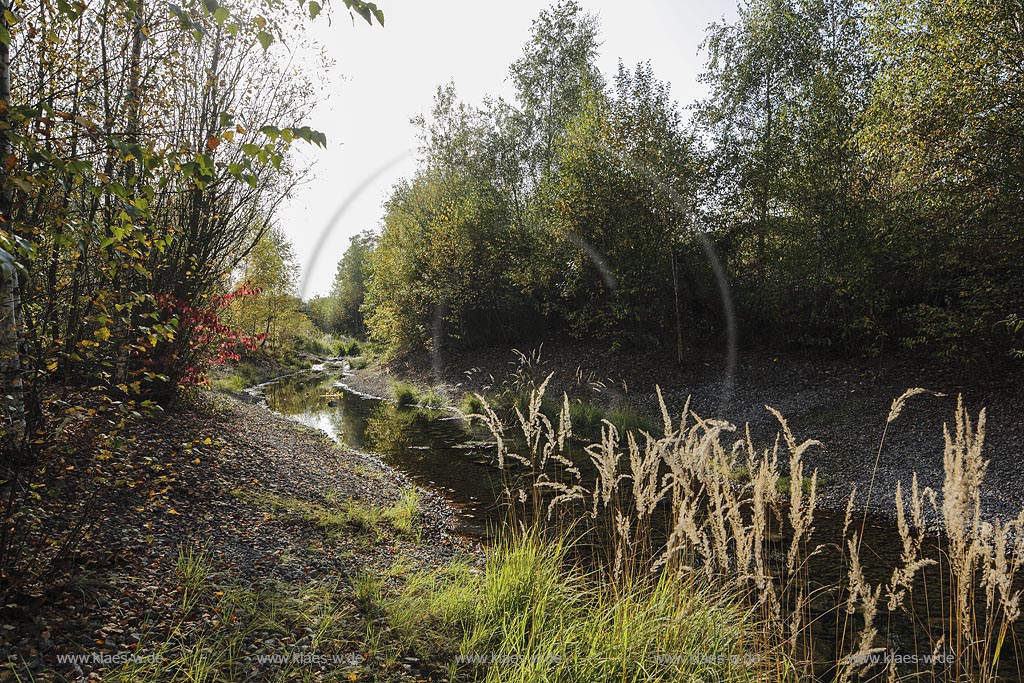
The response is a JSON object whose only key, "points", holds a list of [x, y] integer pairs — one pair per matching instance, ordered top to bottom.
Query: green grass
{"points": [[315, 342], [348, 347], [237, 377], [404, 393], [431, 398], [506, 403], [471, 405], [586, 417], [626, 419], [741, 475], [785, 481], [346, 516], [403, 516], [536, 616], [220, 648]]}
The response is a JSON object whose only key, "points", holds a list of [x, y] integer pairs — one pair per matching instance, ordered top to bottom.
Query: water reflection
{"points": [[433, 447]]}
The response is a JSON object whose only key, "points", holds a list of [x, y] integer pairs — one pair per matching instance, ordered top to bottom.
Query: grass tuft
{"points": [[404, 393], [432, 398], [471, 404], [586, 417], [626, 419], [403, 516], [532, 614]]}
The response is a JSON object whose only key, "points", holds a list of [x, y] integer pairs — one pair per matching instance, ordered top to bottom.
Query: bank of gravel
{"points": [[842, 402], [239, 485]]}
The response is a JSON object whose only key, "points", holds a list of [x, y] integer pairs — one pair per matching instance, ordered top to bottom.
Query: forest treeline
{"points": [[852, 180]]}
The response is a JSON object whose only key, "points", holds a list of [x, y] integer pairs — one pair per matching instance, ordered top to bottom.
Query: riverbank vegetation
{"points": [[851, 181], [665, 564]]}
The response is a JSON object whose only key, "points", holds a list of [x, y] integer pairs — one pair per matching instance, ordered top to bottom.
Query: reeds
{"points": [[669, 507]]}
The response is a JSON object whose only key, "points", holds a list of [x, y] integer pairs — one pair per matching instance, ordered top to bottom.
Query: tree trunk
{"points": [[134, 112], [766, 180], [679, 315], [12, 392]]}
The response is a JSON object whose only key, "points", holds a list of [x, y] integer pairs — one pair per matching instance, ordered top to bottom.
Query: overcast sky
{"points": [[382, 77]]}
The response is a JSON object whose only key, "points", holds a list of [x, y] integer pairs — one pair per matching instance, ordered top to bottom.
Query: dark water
{"points": [[435, 448], [441, 451]]}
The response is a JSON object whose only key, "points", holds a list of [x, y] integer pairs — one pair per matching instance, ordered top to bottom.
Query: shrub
{"points": [[348, 347]]}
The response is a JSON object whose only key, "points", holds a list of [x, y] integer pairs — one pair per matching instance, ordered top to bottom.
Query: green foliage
{"points": [[554, 76], [943, 132], [623, 164], [851, 181], [126, 214], [440, 261], [342, 310], [274, 311], [349, 347], [236, 377], [406, 394], [431, 398], [585, 417], [627, 419], [403, 515], [216, 649]]}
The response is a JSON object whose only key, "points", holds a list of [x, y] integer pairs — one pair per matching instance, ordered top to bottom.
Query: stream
{"points": [[434, 448], [440, 451]]}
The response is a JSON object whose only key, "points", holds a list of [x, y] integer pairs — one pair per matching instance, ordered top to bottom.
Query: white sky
{"points": [[385, 76]]}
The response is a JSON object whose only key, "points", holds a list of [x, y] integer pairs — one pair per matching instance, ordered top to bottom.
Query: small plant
{"points": [[404, 393], [431, 398], [471, 404], [586, 417], [403, 516], [193, 566], [367, 589]]}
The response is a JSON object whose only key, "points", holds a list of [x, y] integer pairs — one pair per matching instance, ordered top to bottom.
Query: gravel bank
{"points": [[839, 401], [229, 478]]}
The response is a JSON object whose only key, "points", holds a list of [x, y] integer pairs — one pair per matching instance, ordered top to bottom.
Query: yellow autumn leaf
{"points": [[102, 333]]}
